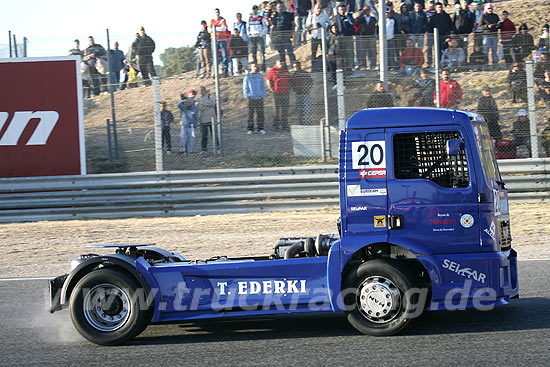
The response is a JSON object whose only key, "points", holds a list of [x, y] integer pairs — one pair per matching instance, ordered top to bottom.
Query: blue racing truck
{"points": [[424, 225]]}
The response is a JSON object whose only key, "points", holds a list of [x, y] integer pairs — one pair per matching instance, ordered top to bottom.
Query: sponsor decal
{"points": [[46, 122], [369, 156], [372, 173], [356, 190], [358, 208], [442, 219], [379, 221], [467, 221], [491, 231], [465, 272], [264, 287]]}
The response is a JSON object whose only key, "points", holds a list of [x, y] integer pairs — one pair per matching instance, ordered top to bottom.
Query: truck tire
{"points": [[376, 298], [105, 307]]}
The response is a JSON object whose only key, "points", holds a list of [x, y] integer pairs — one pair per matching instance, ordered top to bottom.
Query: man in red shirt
{"points": [[507, 32], [221, 38], [411, 59], [278, 80], [449, 90]]}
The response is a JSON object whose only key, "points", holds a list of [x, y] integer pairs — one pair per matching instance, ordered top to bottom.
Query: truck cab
{"points": [[424, 225]]}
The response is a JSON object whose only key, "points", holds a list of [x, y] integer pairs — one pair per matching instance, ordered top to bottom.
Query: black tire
{"points": [[369, 286], [117, 314]]}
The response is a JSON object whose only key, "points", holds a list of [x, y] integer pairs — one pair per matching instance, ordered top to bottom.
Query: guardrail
{"points": [[174, 193]]}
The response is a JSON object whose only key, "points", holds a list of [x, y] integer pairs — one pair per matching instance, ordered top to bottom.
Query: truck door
{"points": [[432, 197], [364, 202]]}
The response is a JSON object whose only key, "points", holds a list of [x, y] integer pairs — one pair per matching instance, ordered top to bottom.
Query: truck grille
{"points": [[505, 234]]}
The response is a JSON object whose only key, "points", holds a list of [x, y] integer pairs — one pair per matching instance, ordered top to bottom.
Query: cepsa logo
{"points": [[46, 123]]}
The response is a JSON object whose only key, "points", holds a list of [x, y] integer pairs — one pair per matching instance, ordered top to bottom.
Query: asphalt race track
{"points": [[517, 334]]}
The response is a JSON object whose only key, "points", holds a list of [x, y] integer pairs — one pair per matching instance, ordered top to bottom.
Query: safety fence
{"points": [[200, 192]]}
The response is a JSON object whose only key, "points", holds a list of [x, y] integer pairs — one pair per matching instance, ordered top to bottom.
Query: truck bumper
{"points": [[482, 280]]}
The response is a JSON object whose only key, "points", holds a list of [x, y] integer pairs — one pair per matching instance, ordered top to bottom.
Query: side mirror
{"points": [[454, 147]]}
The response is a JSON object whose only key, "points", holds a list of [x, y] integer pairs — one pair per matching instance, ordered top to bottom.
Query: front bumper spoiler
{"points": [[55, 285]]}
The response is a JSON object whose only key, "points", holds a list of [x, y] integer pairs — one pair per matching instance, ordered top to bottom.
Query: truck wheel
{"points": [[377, 299], [105, 308]]}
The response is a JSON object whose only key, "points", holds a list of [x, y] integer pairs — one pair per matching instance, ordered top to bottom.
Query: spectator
{"points": [[300, 8], [430, 11], [315, 21], [442, 21], [344, 23], [402, 23], [464, 23], [490, 23], [219, 24], [240, 25], [418, 25], [281, 29], [256, 30], [507, 31], [478, 32], [390, 40], [544, 40], [365, 41], [203, 44], [522, 44], [143, 48], [76, 51], [335, 52], [239, 53], [94, 54], [453, 57], [411, 59], [478, 59], [117, 64], [541, 67], [278, 79], [517, 83], [302, 84], [426, 86], [544, 89], [449, 90], [254, 91], [380, 98], [206, 105], [487, 107], [166, 119], [189, 121], [521, 130], [546, 138]]}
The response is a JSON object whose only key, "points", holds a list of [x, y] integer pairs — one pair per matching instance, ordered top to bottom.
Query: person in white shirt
{"points": [[316, 20], [256, 30], [390, 34]]}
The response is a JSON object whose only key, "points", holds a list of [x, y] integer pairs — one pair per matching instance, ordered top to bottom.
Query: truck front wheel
{"points": [[381, 297], [105, 307]]}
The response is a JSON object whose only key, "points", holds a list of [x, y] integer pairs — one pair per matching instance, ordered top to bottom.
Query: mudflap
{"points": [[55, 285]]}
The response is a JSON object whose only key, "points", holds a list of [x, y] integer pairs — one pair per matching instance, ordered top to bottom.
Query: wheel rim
{"points": [[378, 299], [107, 307]]}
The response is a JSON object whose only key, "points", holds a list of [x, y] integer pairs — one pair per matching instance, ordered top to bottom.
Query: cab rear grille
{"points": [[505, 235]]}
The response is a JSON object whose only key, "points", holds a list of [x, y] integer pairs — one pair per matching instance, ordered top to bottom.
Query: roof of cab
{"points": [[406, 116]]}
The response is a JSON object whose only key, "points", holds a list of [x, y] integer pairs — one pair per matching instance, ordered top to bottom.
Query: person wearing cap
{"points": [[300, 8], [490, 24], [366, 27], [257, 30], [507, 31], [478, 32], [544, 40], [522, 44], [143, 48], [450, 91], [487, 107], [166, 118], [521, 130]]}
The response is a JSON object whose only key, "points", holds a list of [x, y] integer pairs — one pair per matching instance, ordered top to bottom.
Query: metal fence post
{"points": [[25, 39], [9, 40], [383, 43], [16, 52], [436, 60], [217, 86], [325, 90], [111, 92], [341, 99], [531, 102], [213, 131], [109, 137], [159, 163]]}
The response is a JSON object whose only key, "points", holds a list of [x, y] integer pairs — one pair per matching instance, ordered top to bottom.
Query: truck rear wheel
{"points": [[378, 298], [105, 307]]}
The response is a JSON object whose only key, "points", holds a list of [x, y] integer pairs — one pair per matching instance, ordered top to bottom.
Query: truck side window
{"points": [[423, 155]]}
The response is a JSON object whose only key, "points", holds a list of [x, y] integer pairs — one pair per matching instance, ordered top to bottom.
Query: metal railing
{"points": [[179, 193]]}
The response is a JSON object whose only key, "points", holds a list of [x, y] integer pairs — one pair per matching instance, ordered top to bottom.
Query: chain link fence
{"points": [[284, 113]]}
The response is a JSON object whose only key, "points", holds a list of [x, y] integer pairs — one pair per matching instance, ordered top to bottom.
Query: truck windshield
{"points": [[486, 152]]}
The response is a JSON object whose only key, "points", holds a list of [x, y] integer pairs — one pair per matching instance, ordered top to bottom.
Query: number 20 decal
{"points": [[370, 158]]}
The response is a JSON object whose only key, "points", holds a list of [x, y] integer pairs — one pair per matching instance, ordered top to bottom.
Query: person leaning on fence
{"points": [[316, 20], [344, 22], [281, 29], [522, 44], [204, 46], [143, 48], [239, 53], [94, 56], [454, 57], [278, 82], [301, 83], [517, 83], [254, 90], [449, 90], [380, 98], [206, 105], [487, 107], [166, 118], [189, 121]]}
